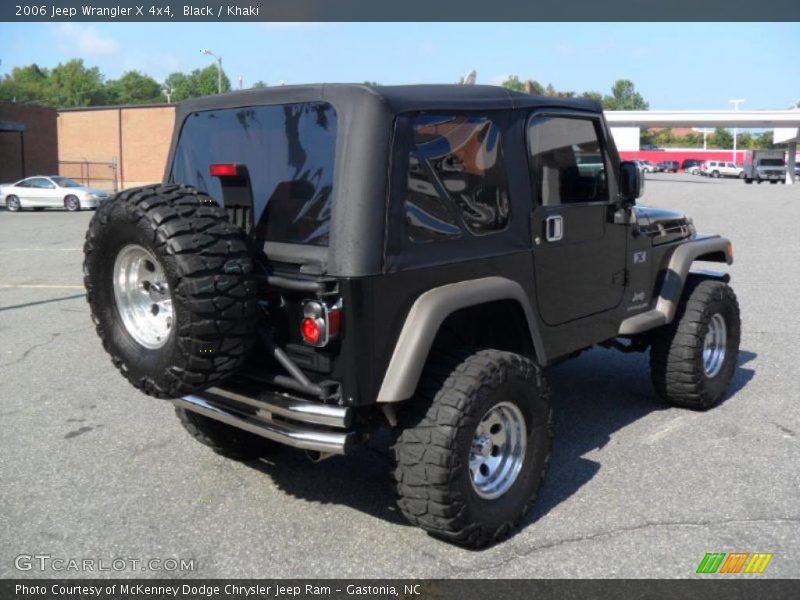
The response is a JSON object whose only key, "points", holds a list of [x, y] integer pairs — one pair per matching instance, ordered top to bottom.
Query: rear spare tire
{"points": [[170, 286]]}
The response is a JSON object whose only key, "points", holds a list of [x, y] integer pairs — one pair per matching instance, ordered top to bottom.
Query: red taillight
{"points": [[224, 170], [321, 322], [334, 322], [311, 330]]}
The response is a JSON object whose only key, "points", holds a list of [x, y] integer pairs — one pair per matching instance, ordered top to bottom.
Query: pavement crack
{"points": [[53, 338], [786, 430], [613, 532]]}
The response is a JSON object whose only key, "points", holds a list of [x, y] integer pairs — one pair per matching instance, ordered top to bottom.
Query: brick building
{"points": [[133, 140], [28, 141]]}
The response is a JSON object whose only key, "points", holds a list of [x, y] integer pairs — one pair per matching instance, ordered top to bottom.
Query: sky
{"points": [[673, 65]]}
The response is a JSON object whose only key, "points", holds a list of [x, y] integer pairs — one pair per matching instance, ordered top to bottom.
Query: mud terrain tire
{"points": [[206, 288]]}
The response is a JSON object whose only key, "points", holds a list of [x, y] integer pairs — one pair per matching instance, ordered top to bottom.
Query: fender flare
{"points": [[674, 281], [426, 317]]}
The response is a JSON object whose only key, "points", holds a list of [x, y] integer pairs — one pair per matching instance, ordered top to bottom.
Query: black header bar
{"points": [[398, 10]]}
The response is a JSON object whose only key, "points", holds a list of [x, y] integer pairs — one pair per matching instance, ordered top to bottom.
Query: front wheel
{"points": [[741, 175], [13, 204], [72, 204], [692, 359], [473, 446]]}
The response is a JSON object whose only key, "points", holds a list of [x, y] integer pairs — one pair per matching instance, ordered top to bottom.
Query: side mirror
{"points": [[631, 182]]}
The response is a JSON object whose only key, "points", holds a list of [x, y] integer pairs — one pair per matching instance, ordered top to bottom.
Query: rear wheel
{"points": [[715, 174], [71, 203], [13, 204], [170, 287], [692, 360], [224, 439], [474, 445]]}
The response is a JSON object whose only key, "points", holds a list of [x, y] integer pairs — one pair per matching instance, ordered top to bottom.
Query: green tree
{"points": [[205, 81], [200, 82], [513, 82], [26, 84], [73, 84], [181, 85], [258, 85], [134, 88], [596, 96], [624, 97], [663, 137], [722, 138], [764, 140], [745, 141]]}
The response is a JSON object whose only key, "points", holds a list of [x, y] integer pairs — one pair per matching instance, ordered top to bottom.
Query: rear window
{"points": [[289, 152]]}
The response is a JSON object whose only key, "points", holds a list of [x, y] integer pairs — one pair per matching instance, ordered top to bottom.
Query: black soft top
{"points": [[397, 98], [365, 121]]}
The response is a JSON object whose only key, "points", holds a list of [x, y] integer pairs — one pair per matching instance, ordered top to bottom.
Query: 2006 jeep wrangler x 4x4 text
{"points": [[324, 261]]}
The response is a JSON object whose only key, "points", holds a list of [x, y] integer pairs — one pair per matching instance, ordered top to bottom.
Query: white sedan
{"points": [[53, 191]]}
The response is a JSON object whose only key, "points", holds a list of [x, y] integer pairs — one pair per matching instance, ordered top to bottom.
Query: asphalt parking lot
{"points": [[91, 468]]}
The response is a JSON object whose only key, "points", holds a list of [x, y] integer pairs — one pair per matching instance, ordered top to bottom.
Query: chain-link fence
{"points": [[101, 175]]}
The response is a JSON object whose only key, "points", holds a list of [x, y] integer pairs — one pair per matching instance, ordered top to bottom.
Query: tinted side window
{"points": [[289, 153], [567, 160], [456, 178], [41, 183]]}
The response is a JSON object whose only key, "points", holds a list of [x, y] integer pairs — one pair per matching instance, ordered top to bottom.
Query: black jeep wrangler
{"points": [[324, 261]]}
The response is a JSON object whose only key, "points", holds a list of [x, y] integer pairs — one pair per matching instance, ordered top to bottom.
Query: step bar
{"points": [[300, 424]]}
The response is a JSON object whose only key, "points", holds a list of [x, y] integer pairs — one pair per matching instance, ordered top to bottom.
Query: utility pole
{"points": [[208, 52], [736, 104]]}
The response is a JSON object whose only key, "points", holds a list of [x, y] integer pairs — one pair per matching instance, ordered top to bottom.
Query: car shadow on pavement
{"points": [[595, 395], [361, 480]]}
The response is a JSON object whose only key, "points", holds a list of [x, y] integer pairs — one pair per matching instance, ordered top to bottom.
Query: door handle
{"points": [[554, 228]]}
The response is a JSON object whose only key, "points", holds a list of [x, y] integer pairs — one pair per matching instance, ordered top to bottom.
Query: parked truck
{"points": [[764, 165]]}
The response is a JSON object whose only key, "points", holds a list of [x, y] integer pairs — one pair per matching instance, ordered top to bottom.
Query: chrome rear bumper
{"points": [[280, 417]]}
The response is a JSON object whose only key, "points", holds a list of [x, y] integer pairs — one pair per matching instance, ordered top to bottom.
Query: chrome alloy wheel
{"points": [[143, 298], [715, 345], [498, 450]]}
